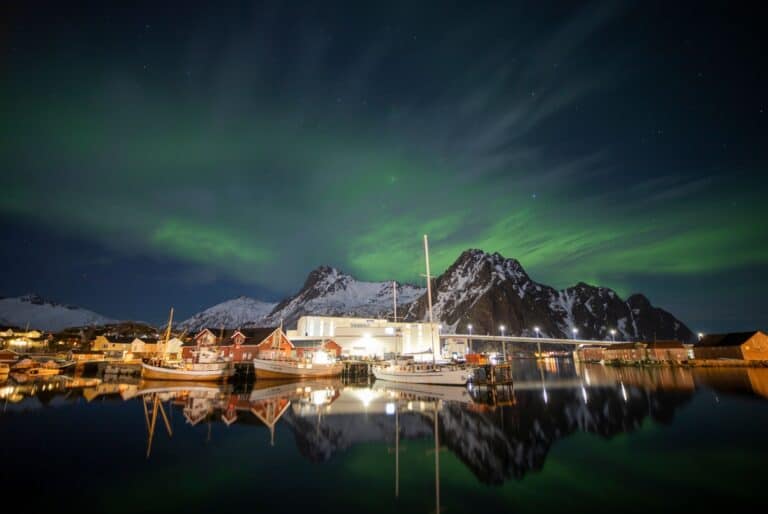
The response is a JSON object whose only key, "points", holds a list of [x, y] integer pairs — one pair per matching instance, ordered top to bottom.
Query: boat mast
{"points": [[429, 298], [394, 299], [167, 336]]}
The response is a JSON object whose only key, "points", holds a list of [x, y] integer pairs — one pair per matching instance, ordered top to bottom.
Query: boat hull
{"points": [[274, 369], [208, 375], [439, 376]]}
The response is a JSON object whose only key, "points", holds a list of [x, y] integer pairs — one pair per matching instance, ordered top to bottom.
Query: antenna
{"points": [[394, 299]]}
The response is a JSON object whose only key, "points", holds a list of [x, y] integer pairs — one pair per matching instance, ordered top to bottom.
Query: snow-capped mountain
{"points": [[488, 290], [328, 291], [38, 313], [236, 313]]}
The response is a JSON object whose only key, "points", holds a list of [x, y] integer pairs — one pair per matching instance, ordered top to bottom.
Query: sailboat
{"points": [[320, 363], [206, 364], [404, 369]]}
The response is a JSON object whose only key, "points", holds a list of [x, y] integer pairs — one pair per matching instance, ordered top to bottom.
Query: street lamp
{"points": [[469, 327], [536, 329], [502, 330], [575, 331], [613, 334], [701, 334]]}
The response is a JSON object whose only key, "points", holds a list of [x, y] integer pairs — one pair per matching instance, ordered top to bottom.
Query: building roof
{"points": [[224, 333], [256, 333], [731, 339], [663, 345], [623, 346]]}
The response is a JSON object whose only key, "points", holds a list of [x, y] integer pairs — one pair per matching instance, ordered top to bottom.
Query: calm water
{"points": [[592, 439]]}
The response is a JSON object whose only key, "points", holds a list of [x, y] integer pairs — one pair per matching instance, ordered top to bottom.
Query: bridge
{"points": [[503, 340], [534, 340]]}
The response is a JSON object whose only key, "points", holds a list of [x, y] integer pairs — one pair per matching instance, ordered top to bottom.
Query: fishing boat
{"points": [[318, 363], [206, 364], [406, 369]]}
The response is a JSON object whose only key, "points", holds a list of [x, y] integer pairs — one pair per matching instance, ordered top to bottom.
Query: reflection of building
{"points": [[368, 337], [739, 345], [672, 378]]}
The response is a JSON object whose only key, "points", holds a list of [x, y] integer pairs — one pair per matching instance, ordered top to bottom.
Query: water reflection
{"points": [[498, 433]]}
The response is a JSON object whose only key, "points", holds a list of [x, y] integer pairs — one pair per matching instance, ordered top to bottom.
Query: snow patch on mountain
{"points": [[329, 292], [239, 312], [41, 314]]}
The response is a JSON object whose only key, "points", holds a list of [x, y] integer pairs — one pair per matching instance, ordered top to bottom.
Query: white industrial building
{"points": [[366, 337]]}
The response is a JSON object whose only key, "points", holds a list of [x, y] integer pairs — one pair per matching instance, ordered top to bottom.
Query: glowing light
{"points": [[366, 396], [390, 408]]}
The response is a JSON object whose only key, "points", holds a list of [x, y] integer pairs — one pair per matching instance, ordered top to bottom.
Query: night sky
{"points": [[183, 154]]}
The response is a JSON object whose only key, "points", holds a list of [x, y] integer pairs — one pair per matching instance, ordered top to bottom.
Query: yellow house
{"points": [[23, 339], [116, 347]]}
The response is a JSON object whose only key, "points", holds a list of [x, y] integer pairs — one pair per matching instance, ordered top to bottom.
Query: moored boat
{"points": [[280, 363], [207, 365], [293, 368], [188, 371], [409, 371], [423, 373]]}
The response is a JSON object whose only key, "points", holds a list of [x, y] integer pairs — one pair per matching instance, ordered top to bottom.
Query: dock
{"points": [[357, 369], [494, 374]]}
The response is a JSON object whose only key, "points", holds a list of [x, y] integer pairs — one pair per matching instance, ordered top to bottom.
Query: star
{"points": [[533, 196]]}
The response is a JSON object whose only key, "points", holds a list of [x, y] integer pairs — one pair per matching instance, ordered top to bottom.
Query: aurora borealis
{"points": [[164, 155]]}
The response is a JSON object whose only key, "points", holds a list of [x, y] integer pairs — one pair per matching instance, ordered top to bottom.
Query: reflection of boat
{"points": [[320, 363], [206, 364], [4, 369], [407, 370], [425, 391]]}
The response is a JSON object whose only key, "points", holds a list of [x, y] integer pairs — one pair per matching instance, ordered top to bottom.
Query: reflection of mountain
{"points": [[318, 439], [515, 440], [495, 444]]}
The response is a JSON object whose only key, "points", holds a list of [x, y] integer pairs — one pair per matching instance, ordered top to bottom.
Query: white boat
{"points": [[319, 363], [206, 365], [291, 368], [407, 370], [188, 371], [423, 373]]}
